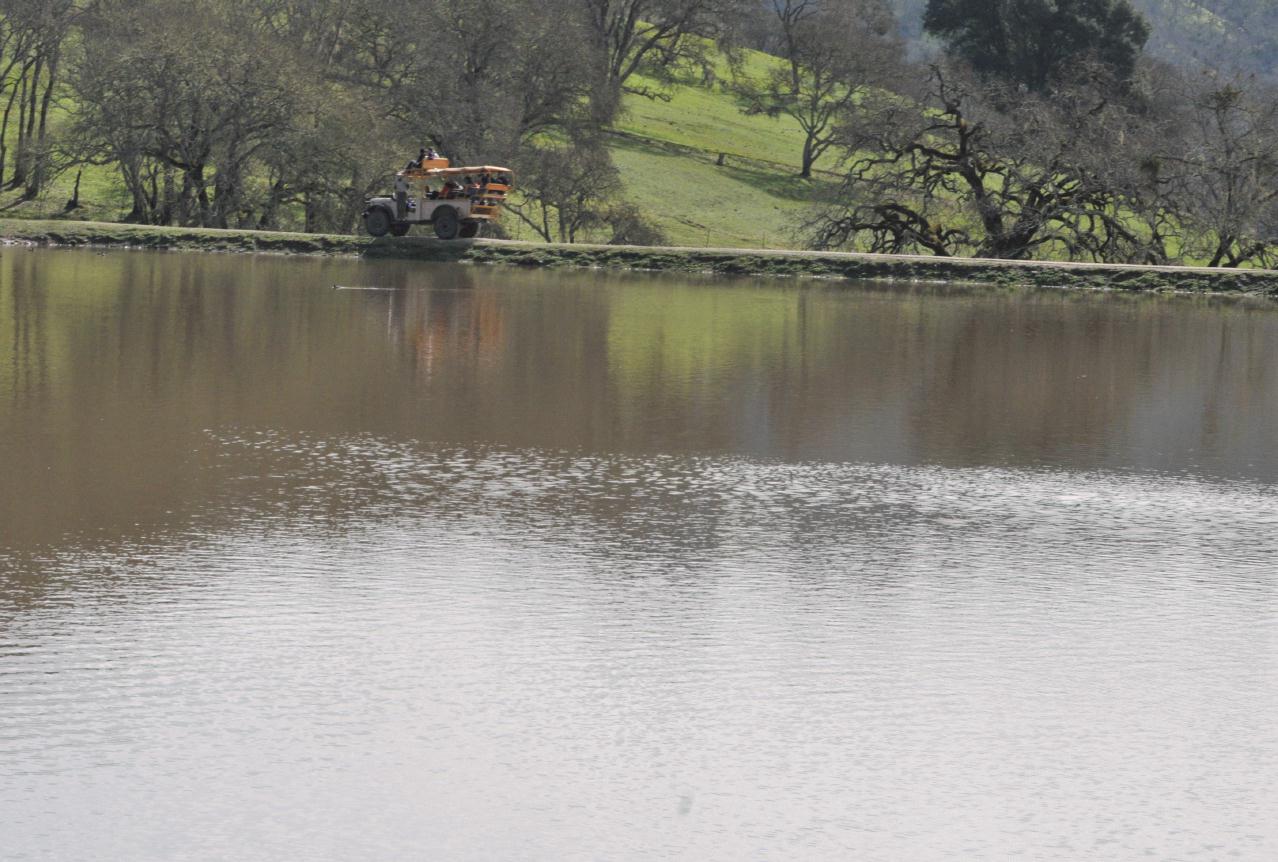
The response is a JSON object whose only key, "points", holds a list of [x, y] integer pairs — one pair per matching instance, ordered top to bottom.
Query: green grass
{"points": [[709, 119], [666, 149], [698, 203]]}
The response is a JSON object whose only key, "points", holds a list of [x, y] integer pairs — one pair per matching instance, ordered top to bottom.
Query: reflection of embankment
{"points": [[724, 261]]}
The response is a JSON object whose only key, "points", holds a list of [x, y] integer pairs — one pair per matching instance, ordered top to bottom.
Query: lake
{"points": [[311, 558]]}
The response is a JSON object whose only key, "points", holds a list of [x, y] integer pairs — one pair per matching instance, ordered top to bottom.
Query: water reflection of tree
{"points": [[951, 377], [1119, 382]]}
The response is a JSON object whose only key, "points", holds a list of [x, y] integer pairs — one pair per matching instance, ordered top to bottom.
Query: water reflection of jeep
{"points": [[455, 201]]}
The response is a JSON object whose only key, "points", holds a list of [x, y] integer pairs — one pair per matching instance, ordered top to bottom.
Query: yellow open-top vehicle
{"points": [[456, 201]]}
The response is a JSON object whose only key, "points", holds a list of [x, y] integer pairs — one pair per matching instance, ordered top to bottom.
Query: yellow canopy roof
{"points": [[449, 172]]}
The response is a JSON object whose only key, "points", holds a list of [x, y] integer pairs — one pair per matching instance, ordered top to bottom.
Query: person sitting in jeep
{"points": [[416, 163]]}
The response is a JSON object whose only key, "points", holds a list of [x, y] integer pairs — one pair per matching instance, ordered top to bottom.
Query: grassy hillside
{"points": [[666, 149]]}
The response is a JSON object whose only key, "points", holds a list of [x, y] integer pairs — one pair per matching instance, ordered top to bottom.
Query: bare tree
{"points": [[654, 36], [32, 39], [834, 52], [16, 61], [476, 86], [271, 112], [216, 121], [978, 168], [1223, 171], [566, 191]]}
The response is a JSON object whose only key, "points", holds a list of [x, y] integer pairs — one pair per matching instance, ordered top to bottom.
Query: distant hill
{"points": [[1233, 35]]}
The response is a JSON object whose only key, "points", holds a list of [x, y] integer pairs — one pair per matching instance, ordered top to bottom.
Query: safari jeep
{"points": [[455, 201]]}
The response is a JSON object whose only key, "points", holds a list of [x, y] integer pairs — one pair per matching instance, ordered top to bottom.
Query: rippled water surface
{"points": [[484, 564]]}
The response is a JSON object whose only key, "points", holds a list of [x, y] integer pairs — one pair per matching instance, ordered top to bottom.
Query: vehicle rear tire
{"points": [[377, 222], [447, 224], [400, 228], [470, 229]]}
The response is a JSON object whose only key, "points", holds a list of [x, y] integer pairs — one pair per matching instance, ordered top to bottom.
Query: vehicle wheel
{"points": [[377, 222], [447, 225], [399, 228], [470, 229]]}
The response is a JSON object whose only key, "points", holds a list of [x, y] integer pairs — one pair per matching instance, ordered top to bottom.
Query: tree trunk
{"points": [[34, 95], [27, 125], [4, 128], [40, 161], [19, 170], [132, 174], [200, 188], [152, 194], [224, 199], [185, 201], [74, 202], [310, 214], [164, 215], [267, 221], [1222, 249]]}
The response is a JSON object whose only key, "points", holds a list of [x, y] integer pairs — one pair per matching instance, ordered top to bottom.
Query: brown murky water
{"points": [[486, 564]]}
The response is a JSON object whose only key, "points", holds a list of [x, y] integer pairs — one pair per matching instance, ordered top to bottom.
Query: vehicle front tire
{"points": [[377, 222], [447, 224], [399, 228], [470, 229]]}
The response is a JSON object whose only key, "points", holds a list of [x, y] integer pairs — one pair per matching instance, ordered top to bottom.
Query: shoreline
{"points": [[722, 261]]}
